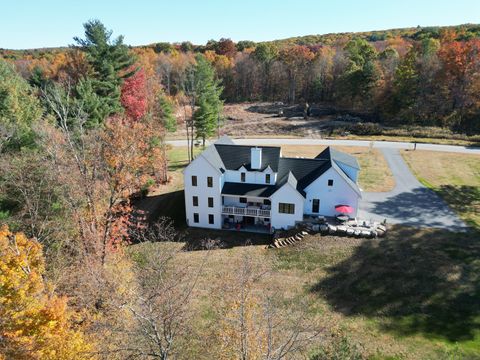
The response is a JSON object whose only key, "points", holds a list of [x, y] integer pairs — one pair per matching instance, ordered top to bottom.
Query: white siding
{"points": [[202, 169], [251, 177], [286, 194], [330, 196]]}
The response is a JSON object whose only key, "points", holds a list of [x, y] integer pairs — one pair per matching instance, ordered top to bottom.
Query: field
{"points": [[261, 120], [455, 177], [412, 295]]}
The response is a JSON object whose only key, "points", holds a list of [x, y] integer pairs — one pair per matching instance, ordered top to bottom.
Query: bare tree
{"points": [[158, 301], [254, 324]]}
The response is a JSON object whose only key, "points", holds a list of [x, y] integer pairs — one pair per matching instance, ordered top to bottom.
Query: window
{"points": [[242, 177], [267, 178], [194, 180], [210, 181], [330, 182], [243, 200], [195, 201], [210, 202], [267, 202], [315, 205], [284, 208], [195, 217], [210, 219]]}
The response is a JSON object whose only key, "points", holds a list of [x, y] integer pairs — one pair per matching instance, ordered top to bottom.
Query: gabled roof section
{"points": [[225, 140], [331, 154], [211, 155], [234, 156], [305, 171], [349, 181]]}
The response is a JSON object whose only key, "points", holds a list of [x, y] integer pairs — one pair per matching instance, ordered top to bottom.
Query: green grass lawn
{"points": [[455, 177]]}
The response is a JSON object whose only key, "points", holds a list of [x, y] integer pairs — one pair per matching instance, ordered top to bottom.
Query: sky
{"points": [[26, 24]]}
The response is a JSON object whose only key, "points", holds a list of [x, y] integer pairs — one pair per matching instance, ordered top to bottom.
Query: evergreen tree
{"points": [[111, 62], [361, 74], [208, 91], [166, 114]]}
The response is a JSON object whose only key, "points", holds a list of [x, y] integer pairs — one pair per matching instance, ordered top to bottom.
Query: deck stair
{"points": [[288, 241]]}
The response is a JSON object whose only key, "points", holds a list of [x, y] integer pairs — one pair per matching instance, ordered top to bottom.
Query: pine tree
{"points": [[110, 62], [208, 90], [166, 114]]}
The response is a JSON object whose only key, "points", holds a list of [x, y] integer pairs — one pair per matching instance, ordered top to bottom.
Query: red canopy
{"points": [[344, 209]]}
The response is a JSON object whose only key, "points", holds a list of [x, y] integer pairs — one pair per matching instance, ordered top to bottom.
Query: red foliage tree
{"points": [[134, 95]]}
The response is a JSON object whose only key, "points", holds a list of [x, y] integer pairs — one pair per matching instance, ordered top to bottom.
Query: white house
{"points": [[254, 188]]}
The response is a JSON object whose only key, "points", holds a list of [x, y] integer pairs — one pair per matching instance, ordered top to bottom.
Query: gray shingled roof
{"points": [[331, 154], [236, 156], [299, 172], [242, 189]]}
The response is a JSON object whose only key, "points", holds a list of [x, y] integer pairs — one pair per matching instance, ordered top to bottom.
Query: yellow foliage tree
{"points": [[34, 323]]}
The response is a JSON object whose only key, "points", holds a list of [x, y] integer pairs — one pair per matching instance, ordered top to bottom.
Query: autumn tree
{"points": [[296, 59], [134, 95], [19, 109], [34, 322]]}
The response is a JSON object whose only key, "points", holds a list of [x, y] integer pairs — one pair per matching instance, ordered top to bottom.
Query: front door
{"points": [[315, 205]]}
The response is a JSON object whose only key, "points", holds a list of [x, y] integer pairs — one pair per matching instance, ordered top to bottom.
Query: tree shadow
{"points": [[462, 198], [172, 205], [418, 207], [412, 282]]}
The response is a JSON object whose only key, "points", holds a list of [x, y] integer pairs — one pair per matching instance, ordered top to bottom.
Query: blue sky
{"points": [[48, 23]]}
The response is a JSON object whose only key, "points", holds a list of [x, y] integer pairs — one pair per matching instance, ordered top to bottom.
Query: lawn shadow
{"points": [[413, 282]]}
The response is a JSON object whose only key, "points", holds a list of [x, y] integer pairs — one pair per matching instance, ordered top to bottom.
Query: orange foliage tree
{"points": [[34, 323]]}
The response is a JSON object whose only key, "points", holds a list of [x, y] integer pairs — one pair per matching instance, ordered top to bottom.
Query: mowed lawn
{"points": [[455, 177], [412, 295]]}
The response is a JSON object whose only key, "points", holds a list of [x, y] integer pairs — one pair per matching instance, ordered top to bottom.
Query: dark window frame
{"points": [[243, 177], [267, 178], [194, 180], [209, 181], [330, 182], [195, 200], [242, 200], [210, 202], [317, 206], [286, 208], [196, 218], [211, 219]]}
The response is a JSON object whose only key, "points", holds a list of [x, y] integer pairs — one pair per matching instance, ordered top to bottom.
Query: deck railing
{"points": [[247, 211]]}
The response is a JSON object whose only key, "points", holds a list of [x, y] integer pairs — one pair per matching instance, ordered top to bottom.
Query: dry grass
{"points": [[375, 175], [455, 177], [398, 298]]}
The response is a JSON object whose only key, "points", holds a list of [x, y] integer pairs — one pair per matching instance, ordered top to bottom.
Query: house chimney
{"points": [[256, 158]]}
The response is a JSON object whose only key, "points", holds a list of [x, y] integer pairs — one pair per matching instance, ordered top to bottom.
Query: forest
{"points": [[416, 76], [83, 136]]}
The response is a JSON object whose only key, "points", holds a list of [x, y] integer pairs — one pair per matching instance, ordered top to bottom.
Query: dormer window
{"points": [[242, 177], [267, 178]]}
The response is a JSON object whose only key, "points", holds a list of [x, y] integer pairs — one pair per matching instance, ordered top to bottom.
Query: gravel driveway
{"points": [[409, 203]]}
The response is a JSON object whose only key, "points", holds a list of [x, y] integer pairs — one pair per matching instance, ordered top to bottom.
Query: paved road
{"points": [[376, 144], [410, 202]]}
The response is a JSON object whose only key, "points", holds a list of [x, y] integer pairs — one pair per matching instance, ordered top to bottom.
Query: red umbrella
{"points": [[344, 209]]}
